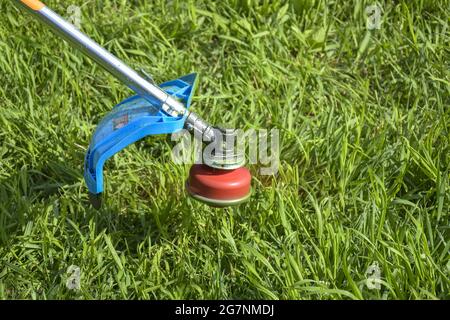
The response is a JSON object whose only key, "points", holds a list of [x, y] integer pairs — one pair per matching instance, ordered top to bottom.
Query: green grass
{"points": [[364, 122]]}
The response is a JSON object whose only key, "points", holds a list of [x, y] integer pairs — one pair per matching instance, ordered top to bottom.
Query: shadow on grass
{"points": [[57, 190]]}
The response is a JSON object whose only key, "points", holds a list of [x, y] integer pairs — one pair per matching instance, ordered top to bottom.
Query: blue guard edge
{"points": [[130, 121]]}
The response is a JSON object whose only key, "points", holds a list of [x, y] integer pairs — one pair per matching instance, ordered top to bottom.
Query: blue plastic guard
{"points": [[130, 121]]}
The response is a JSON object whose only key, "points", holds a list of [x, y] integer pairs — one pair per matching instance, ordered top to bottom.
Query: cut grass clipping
{"points": [[358, 210]]}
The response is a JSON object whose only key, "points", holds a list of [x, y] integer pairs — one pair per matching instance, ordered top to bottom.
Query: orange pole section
{"points": [[33, 4]]}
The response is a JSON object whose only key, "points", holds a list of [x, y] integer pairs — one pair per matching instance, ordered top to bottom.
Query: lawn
{"points": [[362, 190]]}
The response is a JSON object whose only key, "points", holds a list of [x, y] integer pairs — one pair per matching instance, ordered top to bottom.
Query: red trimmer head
{"points": [[218, 187]]}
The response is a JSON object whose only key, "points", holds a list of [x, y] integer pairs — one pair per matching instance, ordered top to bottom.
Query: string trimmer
{"points": [[164, 109]]}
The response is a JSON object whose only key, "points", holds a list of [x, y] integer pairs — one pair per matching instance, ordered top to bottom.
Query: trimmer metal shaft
{"points": [[117, 67]]}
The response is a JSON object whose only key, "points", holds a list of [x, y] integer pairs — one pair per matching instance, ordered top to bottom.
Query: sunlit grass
{"points": [[364, 126]]}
